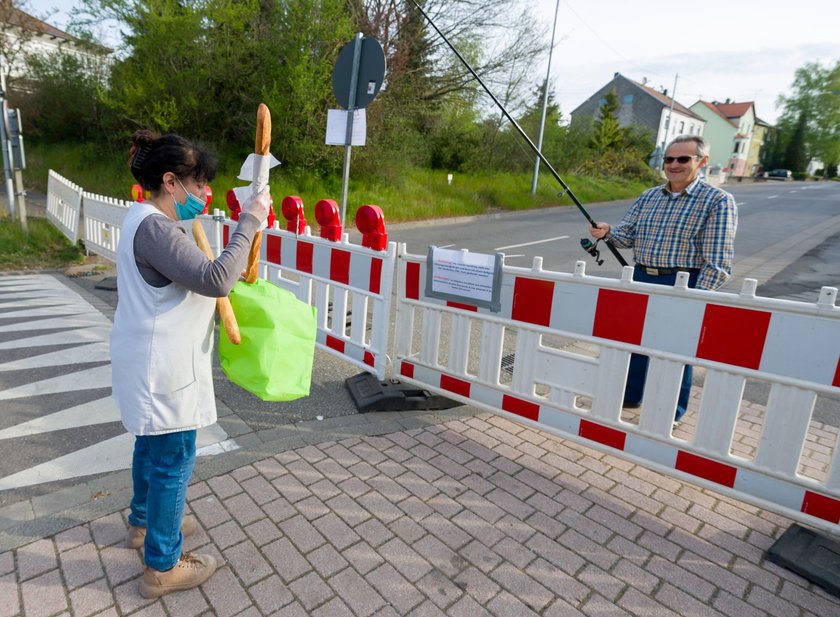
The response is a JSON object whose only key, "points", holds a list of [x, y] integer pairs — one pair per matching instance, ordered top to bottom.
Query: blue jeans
{"points": [[634, 389], [160, 471]]}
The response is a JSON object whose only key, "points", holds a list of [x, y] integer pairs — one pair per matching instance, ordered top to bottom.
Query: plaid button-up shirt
{"points": [[695, 229]]}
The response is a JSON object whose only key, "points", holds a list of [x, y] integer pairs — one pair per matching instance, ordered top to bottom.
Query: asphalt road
{"points": [[770, 213], [788, 238]]}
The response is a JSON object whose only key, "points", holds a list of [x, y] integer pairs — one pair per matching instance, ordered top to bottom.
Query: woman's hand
{"points": [[258, 205]]}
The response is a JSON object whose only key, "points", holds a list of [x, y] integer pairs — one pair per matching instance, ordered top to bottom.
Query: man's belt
{"points": [[663, 271]]}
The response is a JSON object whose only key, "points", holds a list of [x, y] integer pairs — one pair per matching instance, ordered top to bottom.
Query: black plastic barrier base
{"points": [[109, 283], [370, 394], [809, 554]]}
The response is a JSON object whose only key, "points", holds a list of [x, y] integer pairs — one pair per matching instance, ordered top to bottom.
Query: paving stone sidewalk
{"points": [[474, 516]]}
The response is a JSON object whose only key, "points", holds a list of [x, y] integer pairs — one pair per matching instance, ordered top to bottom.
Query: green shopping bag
{"points": [[274, 359]]}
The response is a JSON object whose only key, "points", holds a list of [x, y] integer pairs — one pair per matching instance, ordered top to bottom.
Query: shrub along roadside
{"points": [[414, 194]]}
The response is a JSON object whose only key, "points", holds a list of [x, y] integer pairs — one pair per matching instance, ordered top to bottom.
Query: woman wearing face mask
{"points": [[161, 344]]}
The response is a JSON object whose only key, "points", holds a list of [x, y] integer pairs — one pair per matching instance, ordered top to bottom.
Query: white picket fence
{"points": [[64, 203]]}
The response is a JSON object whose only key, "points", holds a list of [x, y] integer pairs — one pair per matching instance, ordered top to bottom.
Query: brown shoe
{"points": [[137, 535], [190, 571]]}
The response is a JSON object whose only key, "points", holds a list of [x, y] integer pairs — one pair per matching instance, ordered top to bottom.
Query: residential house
{"points": [[22, 35], [644, 106], [731, 133], [760, 137]]}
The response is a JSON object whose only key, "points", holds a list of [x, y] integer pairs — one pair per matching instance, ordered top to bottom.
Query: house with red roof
{"points": [[731, 130]]}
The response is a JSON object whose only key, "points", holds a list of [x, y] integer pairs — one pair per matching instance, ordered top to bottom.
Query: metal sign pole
{"points": [[351, 107], [14, 132], [4, 141]]}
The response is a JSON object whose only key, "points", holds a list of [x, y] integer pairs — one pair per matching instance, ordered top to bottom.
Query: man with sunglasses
{"points": [[683, 225]]}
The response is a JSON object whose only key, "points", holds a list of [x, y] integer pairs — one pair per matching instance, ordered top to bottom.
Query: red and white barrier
{"points": [[64, 203], [791, 345], [460, 351]]}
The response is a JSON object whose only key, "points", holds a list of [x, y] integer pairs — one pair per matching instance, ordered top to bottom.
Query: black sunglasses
{"points": [[682, 160]]}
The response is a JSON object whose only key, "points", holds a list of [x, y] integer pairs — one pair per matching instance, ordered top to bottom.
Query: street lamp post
{"points": [[544, 102]]}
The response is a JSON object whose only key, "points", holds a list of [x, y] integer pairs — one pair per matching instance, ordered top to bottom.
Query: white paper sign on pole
{"points": [[337, 127]]}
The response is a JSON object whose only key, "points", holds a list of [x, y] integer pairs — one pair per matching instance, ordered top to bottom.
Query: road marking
{"points": [[793, 191], [772, 197], [740, 203], [513, 246], [35, 306], [92, 352], [88, 379], [100, 411], [110, 455]]}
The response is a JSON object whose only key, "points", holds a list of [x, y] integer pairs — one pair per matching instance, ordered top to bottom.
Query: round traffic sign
{"points": [[370, 74]]}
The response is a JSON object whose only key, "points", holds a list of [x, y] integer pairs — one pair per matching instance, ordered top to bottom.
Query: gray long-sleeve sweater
{"points": [[164, 254]]}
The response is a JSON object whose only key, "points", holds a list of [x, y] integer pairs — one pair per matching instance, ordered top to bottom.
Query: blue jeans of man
{"points": [[634, 389], [160, 471]]}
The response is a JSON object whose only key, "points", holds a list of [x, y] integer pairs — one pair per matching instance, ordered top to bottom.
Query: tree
{"points": [[501, 38], [201, 67], [75, 81], [431, 98], [814, 102], [607, 133], [505, 147], [795, 157]]}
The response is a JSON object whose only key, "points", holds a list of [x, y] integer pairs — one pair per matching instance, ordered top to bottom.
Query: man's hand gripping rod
{"points": [[524, 135]]}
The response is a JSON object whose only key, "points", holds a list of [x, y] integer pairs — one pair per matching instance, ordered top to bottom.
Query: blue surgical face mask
{"points": [[191, 207]]}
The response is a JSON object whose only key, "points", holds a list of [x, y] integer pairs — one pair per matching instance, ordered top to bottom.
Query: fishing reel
{"points": [[592, 248]]}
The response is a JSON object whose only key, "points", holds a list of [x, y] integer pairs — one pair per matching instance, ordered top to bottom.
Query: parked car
{"points": [[780, 174]]}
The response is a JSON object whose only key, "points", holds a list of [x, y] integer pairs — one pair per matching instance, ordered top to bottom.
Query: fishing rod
{"points": [[587, 245]]}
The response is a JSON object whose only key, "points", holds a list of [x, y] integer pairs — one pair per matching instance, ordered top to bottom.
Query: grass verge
{"points": [[413, 194], [43, 248]]}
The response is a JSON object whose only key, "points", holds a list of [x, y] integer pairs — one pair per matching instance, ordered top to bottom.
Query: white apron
{"points": [[161, 346]]}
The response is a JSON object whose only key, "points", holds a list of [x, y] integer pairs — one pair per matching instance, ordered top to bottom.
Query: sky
{"points": [[746, 50]]}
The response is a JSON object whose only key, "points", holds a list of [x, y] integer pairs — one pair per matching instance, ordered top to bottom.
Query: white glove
{"points": [[258, 205]]}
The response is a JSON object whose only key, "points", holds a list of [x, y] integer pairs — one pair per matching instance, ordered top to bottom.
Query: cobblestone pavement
{"points": [[472, 516]]}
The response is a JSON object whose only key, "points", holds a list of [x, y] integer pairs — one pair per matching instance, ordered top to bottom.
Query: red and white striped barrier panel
{"points": [[64, 202], [103, 217], [345, 282], [459, 350]]}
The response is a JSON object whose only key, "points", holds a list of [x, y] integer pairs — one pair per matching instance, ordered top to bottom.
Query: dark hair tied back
{"points": [[141, 143], [151, 156]]}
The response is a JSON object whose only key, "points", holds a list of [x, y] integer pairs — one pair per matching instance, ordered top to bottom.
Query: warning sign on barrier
{"points": [[460, 276]]}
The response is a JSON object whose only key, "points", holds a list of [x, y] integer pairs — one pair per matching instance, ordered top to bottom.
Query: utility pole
{"points": [[544, 102], [670, 113]]}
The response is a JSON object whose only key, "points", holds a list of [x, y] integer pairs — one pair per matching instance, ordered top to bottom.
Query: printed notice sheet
{"points": [[337, 127], [472, 278]]}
